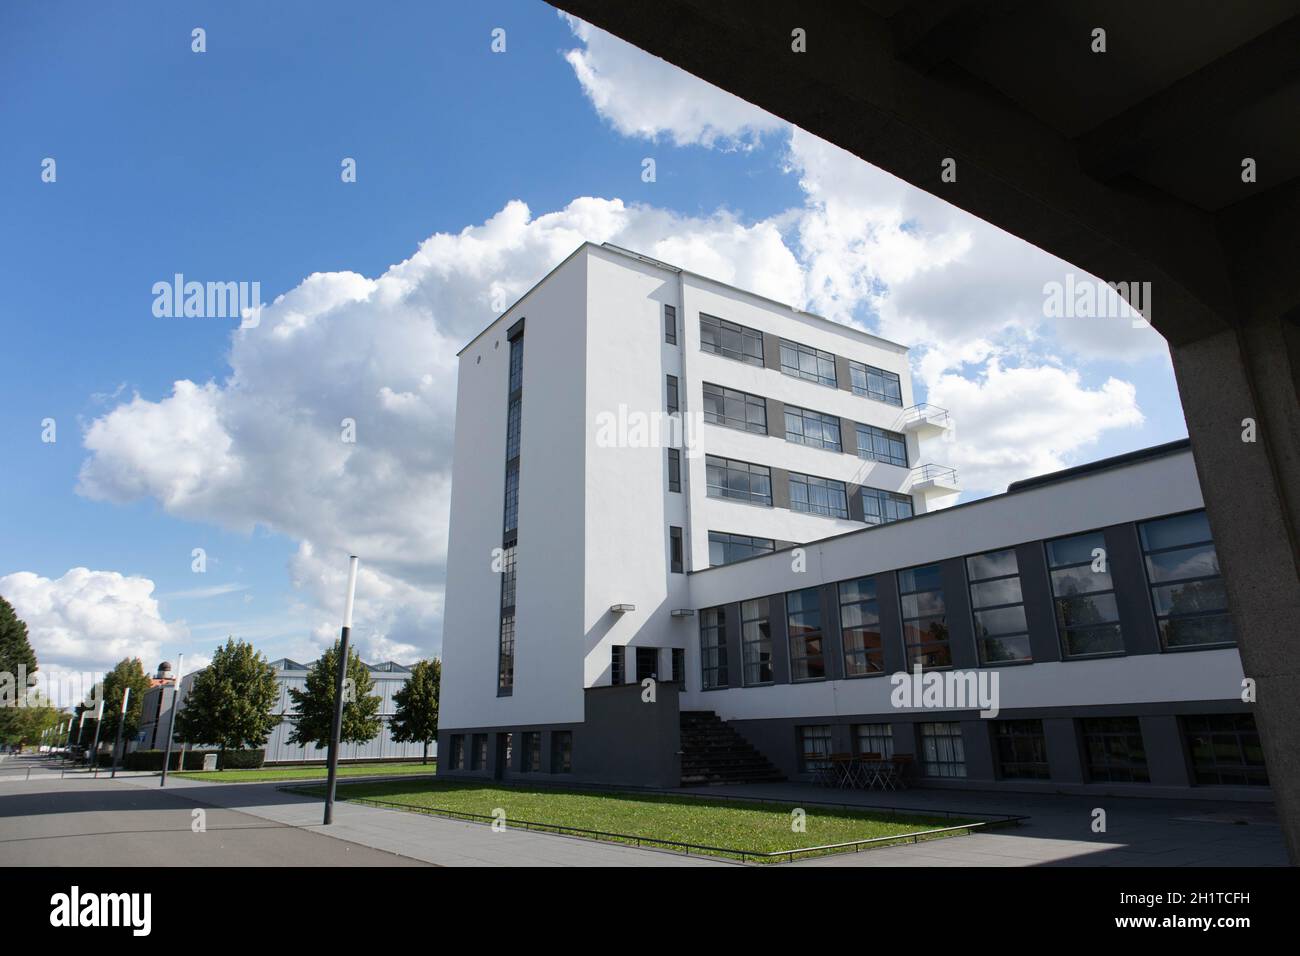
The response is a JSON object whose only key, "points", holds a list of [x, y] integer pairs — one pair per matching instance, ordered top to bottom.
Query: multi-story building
{"points": [[658, 476]]}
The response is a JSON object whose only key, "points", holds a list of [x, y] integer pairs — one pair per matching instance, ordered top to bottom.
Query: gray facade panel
{"points": [[772, 353], [843, 379], [775, 417], [849, 435], [780, 486], [1133, 600], [1040, 611], [891, 622], [961, 630], [780, 639], [832, 640], [734, 673], [977, 739], [1162, 740], [1064, 758]]}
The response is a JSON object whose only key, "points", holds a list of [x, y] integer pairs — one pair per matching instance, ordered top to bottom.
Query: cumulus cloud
{"points": [[642, 95], [87, 621]]}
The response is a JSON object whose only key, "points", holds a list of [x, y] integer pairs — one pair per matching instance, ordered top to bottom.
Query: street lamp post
{"points": [[121, 722], [171, 723], [336, 732], [94, 749]]}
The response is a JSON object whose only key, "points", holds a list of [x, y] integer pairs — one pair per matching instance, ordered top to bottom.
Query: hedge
{"points": [[241, 760]]}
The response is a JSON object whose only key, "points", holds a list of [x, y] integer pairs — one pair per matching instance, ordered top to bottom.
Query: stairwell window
{"points": [[670, 324], [672, 403], [675, 470], [675, 549], [804, 618], [756, 641], [713, 647], [616, 664]]}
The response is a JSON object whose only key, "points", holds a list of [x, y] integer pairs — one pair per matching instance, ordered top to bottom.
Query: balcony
{"points": [[924, 420], [934, 481]]}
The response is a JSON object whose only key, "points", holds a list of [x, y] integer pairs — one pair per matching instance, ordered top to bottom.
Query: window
{"points": [[670, 324], [734, 341], [805, 362], [516, 364], [875, 383], [673, 406], [733, 409], [513, 416], [812, 428], [876, 444], [675, 469], [739, 480], [512, 496], [818, 496], [882, 507], [675, 548], [725, 548], [1182, 564], [508, 577], [1086, 614], [804, 620], [925, 622], [1001, 633], [756, 641], [713, 647], [864, 651], [506, 656], [616, 664], [647, 664], [679, 667], [874, 739], [532, 741], [814, 748], [1020, 750], [1114, 750], [1225, 750], [562, 751], [458, 752], [942, 752], [478, 755]]}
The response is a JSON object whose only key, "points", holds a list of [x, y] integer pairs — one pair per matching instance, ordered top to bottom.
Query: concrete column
{"points": [[1251, 491], [1162, 741], [1063, 755]]}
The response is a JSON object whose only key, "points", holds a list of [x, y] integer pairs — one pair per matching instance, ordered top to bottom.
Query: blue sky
{"points": [[224, 165]]}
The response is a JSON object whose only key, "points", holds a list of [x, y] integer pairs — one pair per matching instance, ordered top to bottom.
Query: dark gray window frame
{"points": [[670, 324], [748, 337], [819, 356], [879, 394], [748, 401], [821, 421], [867, 450], [675, 470], [751, 470], [816, 481], [883, 499], [745, 540], [676, 549], [1153, 586], [977, 610], [713, 622], [1061, 628], [804, 638], [746, 642], [911, 648], [866, 654]]}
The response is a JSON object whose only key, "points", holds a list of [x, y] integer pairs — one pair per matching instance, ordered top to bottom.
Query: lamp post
{"points": [[121, 722], [171, 723], [336, 732], [94, 749]]}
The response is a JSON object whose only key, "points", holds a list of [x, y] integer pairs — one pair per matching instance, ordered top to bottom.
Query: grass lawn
{"points": [[307, 773], [726, 824]]}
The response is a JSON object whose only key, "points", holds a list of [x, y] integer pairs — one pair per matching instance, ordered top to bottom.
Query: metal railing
{"points": [[923, 412], [933, 472], [700, 848]]}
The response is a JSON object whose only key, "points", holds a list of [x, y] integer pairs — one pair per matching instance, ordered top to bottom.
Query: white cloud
{"points": [[642, 95], [89, 620]]}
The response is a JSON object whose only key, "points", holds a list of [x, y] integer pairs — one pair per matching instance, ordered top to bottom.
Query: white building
{"points": [[784, 547]]}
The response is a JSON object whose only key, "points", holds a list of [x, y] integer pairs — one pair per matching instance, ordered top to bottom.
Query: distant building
{"points": [[155, 714]]}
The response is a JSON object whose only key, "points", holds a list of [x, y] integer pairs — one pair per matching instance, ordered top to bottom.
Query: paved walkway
{"points": [[33, 816]]}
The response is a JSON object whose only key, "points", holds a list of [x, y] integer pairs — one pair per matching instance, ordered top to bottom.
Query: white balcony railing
{"points": [[925, 418]]}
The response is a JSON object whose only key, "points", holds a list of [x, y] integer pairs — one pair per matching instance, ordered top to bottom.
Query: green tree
{"points": [[15, 649], [128, 672], [231, 703], [315, 703], [416, 717], [28, 724]]}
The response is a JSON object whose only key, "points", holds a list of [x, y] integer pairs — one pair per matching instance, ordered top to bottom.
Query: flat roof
{"points": [[640, 257], [1015, 488]]}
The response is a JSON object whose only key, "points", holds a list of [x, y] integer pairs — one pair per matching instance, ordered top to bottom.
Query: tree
{"points": [[15, 649], [128, 672], [232, 700], [315, 704], [416, 717], [27, 724]]}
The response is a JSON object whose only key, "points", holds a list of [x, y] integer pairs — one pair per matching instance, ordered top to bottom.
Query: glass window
{"points": [[670, 324], [734, 341], [803, 361], [516, 363], [875, 383], [673, 406], [733, 409], [513, 416], [812, 428], [876, 444], [674, 469], [739, 480], [512, 496], [818, 496], [882, 507], [675, 548], [725, 548], [508, 577], [1187, 592], [1086, 613], [804, 619], [925, 621], [1001, 633], [756, 641], [713, 647], [864, 651], [506, 655], [616, 664], [679, 666], [874, 739], [814, 747], [1114, 749], [1225, 749], [1020, 750], [562, 751], [458, 752], [532, 752], [943, 754], [478, 755]]}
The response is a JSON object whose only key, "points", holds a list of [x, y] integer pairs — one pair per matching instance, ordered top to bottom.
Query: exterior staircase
{"points": [[713, 754]]}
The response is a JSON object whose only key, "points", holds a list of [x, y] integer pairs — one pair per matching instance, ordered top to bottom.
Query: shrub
{"points": [[194, 759], [242, 760]]}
